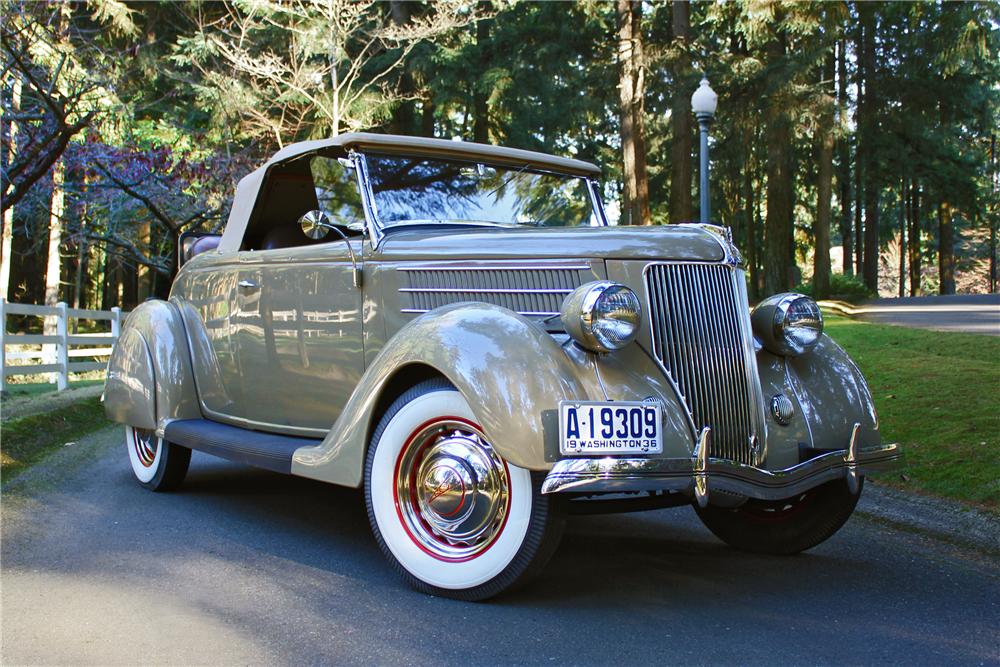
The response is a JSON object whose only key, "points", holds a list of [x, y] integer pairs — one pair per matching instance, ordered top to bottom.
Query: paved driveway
{"points": [[974, 313], [249, 567]]}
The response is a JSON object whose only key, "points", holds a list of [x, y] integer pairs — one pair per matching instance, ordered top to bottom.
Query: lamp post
{"points": [[703, 103]]}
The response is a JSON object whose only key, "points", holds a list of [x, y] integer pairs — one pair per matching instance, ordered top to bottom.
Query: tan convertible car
{"points": [[457, 329]]}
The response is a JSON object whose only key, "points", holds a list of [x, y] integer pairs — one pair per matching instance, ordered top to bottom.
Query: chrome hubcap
{"points": [[144, 443], [452, 490]]}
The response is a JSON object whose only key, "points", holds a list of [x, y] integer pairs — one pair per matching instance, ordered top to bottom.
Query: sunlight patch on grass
{"points": [[938, 395]]}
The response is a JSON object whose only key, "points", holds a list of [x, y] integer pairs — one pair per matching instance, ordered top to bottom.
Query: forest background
{"points": [[853, 152]]}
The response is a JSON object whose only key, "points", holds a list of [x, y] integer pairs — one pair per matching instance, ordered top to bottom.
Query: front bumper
{"points": [[700, 474]]}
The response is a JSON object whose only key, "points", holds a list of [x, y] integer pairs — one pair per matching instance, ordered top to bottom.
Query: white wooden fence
{"points": [[66, 346]]}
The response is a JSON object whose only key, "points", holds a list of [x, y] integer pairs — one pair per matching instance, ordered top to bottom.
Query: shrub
{"points": [[842, 288]]}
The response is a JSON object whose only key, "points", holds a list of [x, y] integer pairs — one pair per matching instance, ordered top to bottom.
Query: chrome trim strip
{"points": [[498, 267], [477, 290], [526, 313], [612, 475]]}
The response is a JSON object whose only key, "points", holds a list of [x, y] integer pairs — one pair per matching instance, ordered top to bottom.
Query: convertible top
{"points": [[249, 186]]}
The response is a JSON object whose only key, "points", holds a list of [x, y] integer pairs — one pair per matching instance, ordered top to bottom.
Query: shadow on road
{"points": [[252, 566]]}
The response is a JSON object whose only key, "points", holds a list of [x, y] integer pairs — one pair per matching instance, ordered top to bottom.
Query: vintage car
{"points": [[457, 329]]}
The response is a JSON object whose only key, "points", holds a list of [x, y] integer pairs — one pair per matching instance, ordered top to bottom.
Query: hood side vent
{"points": [[532, 291]]}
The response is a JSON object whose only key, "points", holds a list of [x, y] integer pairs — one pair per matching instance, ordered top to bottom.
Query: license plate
{"points": [[618, 427]]}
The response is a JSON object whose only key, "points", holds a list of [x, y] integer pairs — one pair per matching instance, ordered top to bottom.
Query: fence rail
{"points": [[56, 351]]}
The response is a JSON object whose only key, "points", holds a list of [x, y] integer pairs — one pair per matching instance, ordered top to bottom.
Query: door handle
{"points": [[248, 285]]}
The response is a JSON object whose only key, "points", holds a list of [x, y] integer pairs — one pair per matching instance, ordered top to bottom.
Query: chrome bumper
{"points": [[701, 473]]}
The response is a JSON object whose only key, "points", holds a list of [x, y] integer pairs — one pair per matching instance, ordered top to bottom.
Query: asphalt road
{"points": [[971, 313], [250, 567]]}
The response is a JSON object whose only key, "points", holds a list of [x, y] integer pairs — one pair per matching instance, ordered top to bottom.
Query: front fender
{"points": [[511, 371], [149, 374], [830, 395]]}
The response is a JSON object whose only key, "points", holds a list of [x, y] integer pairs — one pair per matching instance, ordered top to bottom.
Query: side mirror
{"points": [[315, 224]]}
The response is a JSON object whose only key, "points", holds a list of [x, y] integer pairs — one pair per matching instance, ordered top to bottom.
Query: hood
{"points": [[673, 242]]}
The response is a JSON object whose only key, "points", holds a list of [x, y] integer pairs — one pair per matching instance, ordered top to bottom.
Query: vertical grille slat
{"points": [[701, 335]]}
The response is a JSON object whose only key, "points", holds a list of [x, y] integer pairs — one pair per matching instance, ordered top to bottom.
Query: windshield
{"points": [[410, 190]]}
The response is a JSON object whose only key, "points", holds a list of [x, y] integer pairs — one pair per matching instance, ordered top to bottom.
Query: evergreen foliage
{"points": [[869, 127]]}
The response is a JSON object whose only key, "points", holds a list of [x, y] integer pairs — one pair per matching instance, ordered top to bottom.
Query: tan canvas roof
{"points": [[249, 186]]}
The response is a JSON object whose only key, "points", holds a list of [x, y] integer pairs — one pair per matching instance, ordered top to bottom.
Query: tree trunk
{"points": [[480, 97], [867, 105], [403, 116], [427, 116], [638, 117], [680, 118], [844, 166], [995, 175], [824, 192], [872, 196], [635, 199], [751, 205], [778, 227], [915, 229], [902, 238], [946, 249], [6, 256], [53, 265], [143, 273]]}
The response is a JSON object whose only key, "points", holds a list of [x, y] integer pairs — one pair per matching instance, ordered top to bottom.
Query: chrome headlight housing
{"points": [[601, 316], [788, 324]]}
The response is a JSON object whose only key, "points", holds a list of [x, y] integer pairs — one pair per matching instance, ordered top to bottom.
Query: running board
{"points": [[264, 450]]}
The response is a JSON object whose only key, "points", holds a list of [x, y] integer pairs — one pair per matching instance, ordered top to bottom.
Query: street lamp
{"points": [[703, 103]]}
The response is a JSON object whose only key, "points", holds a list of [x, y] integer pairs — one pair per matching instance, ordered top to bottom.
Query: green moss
{"points": [[938, 394], [29, 439]]}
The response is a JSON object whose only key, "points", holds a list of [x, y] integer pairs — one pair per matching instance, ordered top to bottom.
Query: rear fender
{"points": [[149, 378]]}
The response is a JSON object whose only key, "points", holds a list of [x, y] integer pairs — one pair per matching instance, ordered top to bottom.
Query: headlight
{"points": [[601, 316], [788, 324]]}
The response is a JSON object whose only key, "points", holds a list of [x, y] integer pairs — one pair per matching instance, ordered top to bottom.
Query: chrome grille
{"points": [[528, 290], [701, 334]]}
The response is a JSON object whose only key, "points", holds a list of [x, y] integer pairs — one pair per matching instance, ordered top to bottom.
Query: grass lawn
{"points": [[36, 388], [938, 395], [28, 439]]}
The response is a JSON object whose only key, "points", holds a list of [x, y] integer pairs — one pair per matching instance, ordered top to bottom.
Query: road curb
{"points": [[944, 520]]}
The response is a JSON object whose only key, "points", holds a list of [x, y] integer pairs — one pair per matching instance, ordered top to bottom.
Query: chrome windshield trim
{"points": [[596, 204], [377, 231], [612, 475]]}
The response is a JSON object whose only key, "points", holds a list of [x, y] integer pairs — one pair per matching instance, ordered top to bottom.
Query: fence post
{"points": [[116, 324], [62, 330], [3, 344]]}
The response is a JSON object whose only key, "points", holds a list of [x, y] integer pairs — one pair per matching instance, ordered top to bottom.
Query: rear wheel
{"points": [[157, 464], [448, 512], [783, 527]]}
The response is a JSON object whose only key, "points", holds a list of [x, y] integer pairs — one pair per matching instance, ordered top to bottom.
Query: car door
{"points": [[299, 319], [300, 339]]}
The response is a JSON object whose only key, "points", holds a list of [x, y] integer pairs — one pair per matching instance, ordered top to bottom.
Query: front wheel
{"points": [[158, 465], [448, 512], [783, 527]]}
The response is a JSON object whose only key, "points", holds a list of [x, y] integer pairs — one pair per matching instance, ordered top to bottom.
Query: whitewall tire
{"points": [[157, 464], [449, 513]]}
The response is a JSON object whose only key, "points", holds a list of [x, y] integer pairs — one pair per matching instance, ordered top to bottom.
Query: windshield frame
{"points": [[377, 230]]}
